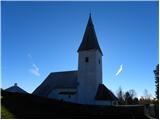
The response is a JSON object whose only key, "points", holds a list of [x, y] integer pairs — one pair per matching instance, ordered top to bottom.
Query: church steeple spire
{"points": [[90, 20], [89, 39]]}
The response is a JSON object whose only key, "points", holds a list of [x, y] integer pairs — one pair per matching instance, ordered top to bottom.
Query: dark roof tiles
{"points": [[89, 39], [57, 80], [15, 88], [103, 93]]}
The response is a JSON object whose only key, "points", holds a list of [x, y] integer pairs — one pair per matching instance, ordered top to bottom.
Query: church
{"points": [[83, 86]]}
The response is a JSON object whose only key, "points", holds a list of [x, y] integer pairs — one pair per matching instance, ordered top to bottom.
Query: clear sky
{"points": [[43, 37]]}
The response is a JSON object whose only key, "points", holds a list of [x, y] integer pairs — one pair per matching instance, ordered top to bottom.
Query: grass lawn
{"points": [[6, 114]]}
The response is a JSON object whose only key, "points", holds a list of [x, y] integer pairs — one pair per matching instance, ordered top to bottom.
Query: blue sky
{"points": [[43, 37]]}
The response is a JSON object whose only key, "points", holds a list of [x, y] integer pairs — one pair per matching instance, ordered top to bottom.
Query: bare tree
{"points": [[132, 93], [120, 95], [147, 96], [127, 97], [135, 100]]}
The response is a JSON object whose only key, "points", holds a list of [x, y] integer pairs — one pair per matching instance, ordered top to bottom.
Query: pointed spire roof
{"points": [[89, 39]]}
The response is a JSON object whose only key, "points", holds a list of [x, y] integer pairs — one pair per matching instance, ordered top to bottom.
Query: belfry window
{"points": [[86, 59]]}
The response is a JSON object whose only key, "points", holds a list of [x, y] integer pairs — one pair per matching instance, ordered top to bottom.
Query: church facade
{"points": [[83, 86]]}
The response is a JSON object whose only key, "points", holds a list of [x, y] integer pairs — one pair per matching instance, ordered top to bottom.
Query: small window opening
{"points": [[86, 59], [99, 61]]}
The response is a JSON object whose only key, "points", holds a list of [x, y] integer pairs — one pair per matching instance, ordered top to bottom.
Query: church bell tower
{"points": [[89, 65]]}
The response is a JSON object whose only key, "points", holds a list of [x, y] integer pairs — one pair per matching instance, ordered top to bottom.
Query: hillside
{"points": [[30, 106]]}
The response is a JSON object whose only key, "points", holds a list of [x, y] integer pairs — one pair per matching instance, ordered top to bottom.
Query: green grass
{"points": [[6, 114]]}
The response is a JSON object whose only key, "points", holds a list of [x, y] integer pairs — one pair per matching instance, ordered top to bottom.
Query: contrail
{"points": [[34, 69], [119, 70]]}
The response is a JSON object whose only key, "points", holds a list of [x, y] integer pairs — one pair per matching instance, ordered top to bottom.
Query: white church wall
{"points": [[99, 67], [89, 75], [56, 95]]}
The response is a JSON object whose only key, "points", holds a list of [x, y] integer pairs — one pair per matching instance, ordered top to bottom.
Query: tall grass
{"points": [[6, 114]]}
